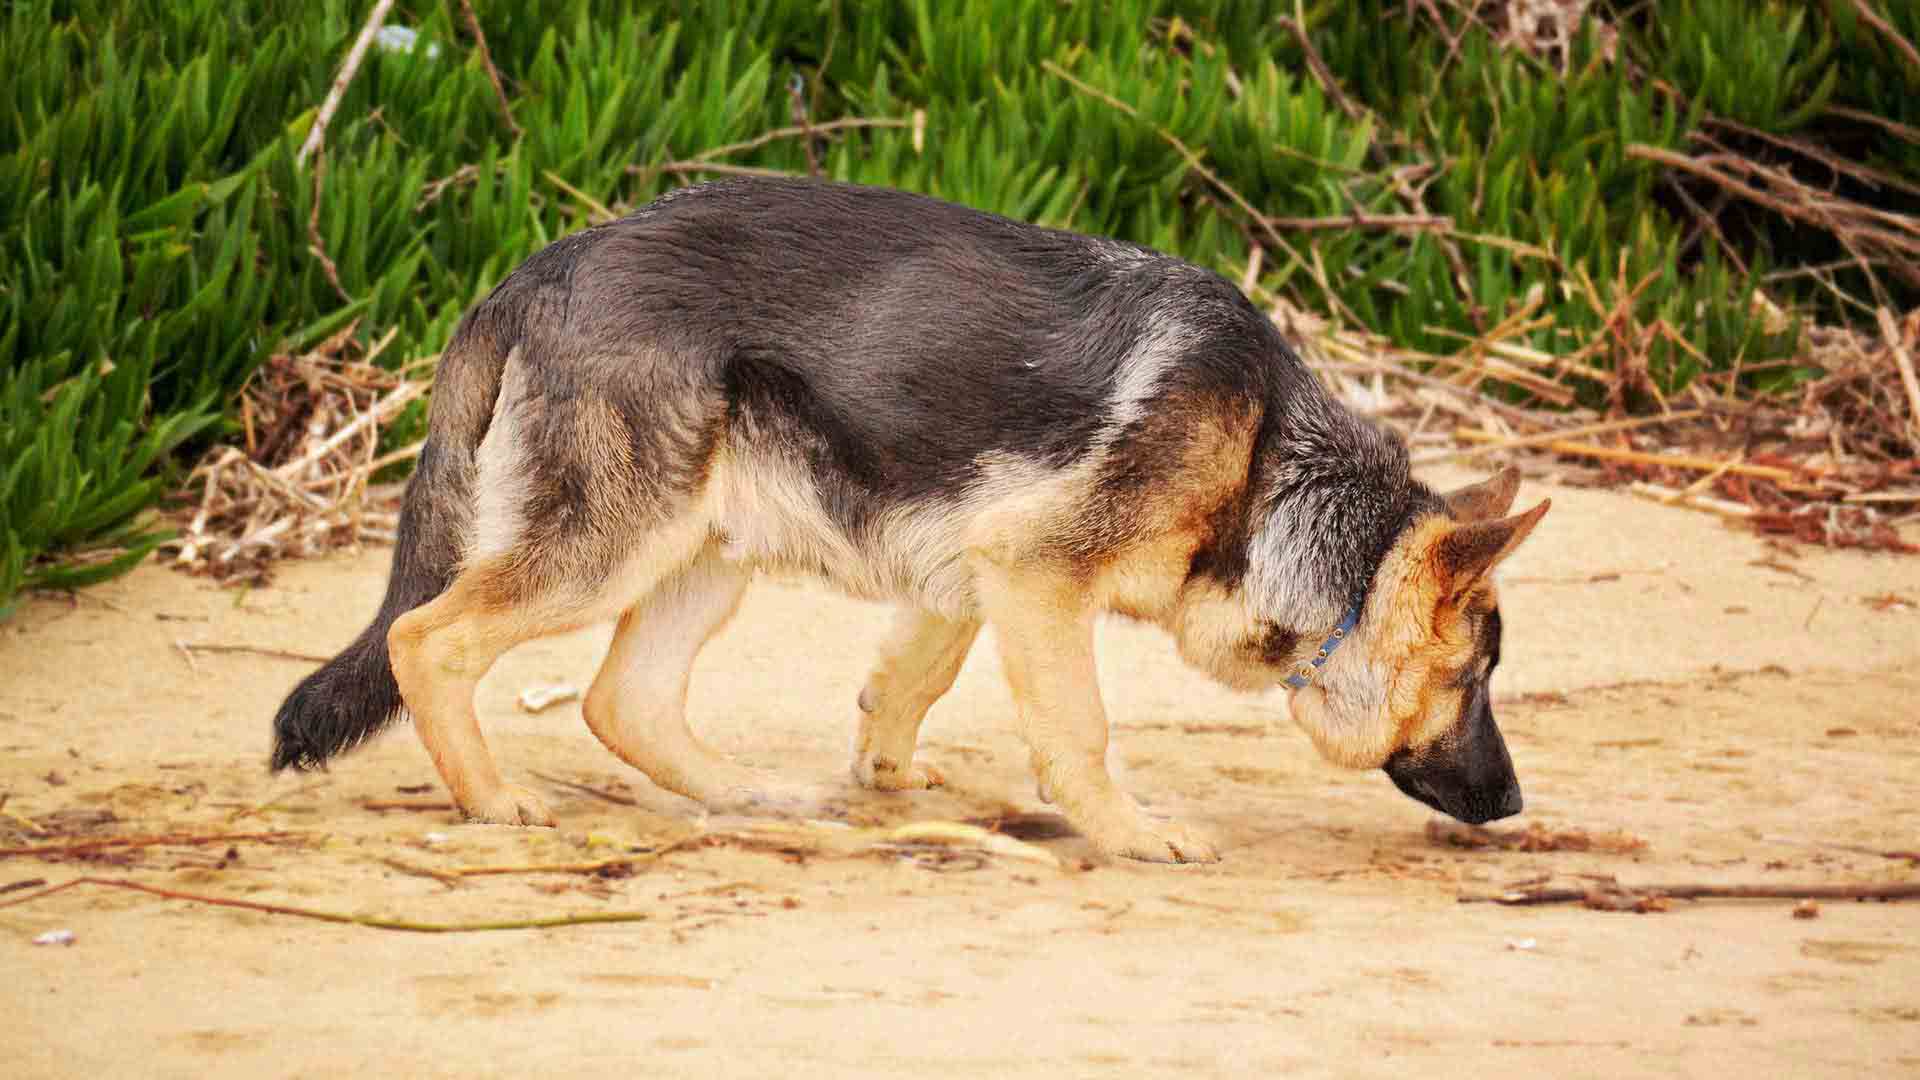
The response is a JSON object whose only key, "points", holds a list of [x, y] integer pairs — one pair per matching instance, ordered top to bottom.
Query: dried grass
{"points": [[1833, 464], [299, 486]]}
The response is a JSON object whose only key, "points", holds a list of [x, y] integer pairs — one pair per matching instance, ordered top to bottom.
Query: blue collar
{"points": [[1299, 679]]}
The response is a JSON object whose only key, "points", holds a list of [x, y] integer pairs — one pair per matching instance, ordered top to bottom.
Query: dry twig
{"points": [[1874, 19], [1319, 67], [493, 73], [318, 133], [1194, 163], [1361, 220], [1867, 233], [316, 246], [1902, 359], [1636, 457], [191, 647], [602, 794], [77, 847], [1612, 896], [371, 922]]}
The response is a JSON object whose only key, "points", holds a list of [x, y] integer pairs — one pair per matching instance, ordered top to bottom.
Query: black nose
{"points": [[1475, 786], [1479, 807]]}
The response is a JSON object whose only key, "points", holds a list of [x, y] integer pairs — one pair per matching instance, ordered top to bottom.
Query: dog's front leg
{"points": [[1044, 627]]}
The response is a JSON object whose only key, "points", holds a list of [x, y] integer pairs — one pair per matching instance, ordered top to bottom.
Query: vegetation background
{"points": [[1626, 196]]}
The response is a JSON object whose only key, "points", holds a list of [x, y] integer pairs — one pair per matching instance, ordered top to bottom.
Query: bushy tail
{"points": [[354, 695]]}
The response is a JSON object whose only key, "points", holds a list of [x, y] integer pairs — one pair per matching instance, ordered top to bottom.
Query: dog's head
{"points": [[1409, 692]]}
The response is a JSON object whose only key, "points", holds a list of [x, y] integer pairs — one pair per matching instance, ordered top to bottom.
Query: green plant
{"points": [[1747, 61], [158, 239]]}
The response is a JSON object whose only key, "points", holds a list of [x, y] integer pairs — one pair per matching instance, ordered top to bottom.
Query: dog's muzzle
{"points": [[1466, 773]]}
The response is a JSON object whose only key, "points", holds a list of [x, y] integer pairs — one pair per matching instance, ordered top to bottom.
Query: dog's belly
{"points": [[772, 519], [944, 587]]}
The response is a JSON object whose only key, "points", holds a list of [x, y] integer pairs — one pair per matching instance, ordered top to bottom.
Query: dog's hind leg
{"points": [[1044, 626], [441, 650], [918, 663], [637, 705]]}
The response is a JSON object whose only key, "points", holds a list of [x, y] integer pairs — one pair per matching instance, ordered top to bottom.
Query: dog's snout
{"points": [[1467, 775]]}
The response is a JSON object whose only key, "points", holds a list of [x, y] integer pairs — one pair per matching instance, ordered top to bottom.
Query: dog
{"points": [[979, 420]]}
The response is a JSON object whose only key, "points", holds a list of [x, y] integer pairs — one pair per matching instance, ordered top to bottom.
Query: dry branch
{"points": [[1874, 19], [1318, 66], [493, 73], [845, 123], [318, 133], [704, 161], [718, 168], [601, 213], [1360, 220], [1868, 234], [317, 246], [1314, 268], [1904, 361], [1489, 442], [1636, 457], [1691, 500], [191, 647], [602, 794], [78, 847], [617, 866], [1612, 896], [372, 922]]}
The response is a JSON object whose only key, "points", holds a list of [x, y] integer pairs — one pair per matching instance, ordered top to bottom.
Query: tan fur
{"points": [[1484, 501], [1044, 629], [1414, 637], [441, 650], [918, 663], [637, 706]]}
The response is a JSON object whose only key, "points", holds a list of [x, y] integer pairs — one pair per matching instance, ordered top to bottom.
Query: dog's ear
{"points": [[1487, 499], [1465, 553]]}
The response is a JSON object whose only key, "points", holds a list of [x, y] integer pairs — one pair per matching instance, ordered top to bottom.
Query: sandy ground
{"points": [[1748, 712]]}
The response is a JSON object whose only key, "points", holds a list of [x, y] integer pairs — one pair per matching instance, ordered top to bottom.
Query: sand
{"points": [[1750, 713]]}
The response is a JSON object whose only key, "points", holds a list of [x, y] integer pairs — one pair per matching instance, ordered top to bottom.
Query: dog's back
{"points": [[846, 370]]}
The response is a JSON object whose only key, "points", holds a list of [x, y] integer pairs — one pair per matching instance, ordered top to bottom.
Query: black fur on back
{"points": [[890, 340]]}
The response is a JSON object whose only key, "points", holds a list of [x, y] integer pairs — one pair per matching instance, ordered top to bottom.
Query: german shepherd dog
{"points": [[979, 420]]}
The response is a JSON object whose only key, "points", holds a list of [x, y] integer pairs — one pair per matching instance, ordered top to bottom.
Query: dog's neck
{"points": [[1331, 491]]}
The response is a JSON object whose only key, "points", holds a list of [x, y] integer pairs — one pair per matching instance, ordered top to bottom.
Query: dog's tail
{"points": [[354, 695]]}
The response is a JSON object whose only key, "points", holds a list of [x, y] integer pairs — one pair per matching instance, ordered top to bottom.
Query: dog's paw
{"points": [[884, 774], [511, 804], [1158, 841]]}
